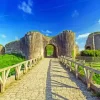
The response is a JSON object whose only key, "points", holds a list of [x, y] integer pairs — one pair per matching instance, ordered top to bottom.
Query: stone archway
{"points": [[33, 44], [88, 48], [55, 51]]}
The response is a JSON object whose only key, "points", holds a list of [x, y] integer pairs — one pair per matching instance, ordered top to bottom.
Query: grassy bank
{"points": [[10, 59], [96, 77]]}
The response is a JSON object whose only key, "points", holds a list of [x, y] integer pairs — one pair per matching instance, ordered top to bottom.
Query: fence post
{"points": [[64, 60], [66, 63], [30, 64], [70, 66], [26, 68], [17, 69], [76, 70], [88, 77], [3, 82]]}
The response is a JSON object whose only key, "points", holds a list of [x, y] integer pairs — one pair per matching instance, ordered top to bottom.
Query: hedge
{"points": [[90, 53]]}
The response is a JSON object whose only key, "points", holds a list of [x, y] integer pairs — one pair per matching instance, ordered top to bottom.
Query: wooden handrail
{"points": [[87, 70], [5, 71]]}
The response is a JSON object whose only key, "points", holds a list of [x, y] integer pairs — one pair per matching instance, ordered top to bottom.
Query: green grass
{"points": [[50, 50], [8, 60], [95, 65], [96, 77]]}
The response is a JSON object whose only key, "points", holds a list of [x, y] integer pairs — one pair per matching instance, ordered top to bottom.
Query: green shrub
{"points": [[90, 53]]}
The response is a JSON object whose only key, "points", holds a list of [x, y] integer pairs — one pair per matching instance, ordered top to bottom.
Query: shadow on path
{"points": [[62, 85], [49, 93]]}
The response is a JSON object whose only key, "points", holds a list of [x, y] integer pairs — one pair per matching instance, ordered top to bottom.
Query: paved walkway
{"points": [[47, 81]]}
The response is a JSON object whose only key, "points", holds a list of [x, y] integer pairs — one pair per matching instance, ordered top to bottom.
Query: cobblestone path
{"points": [[47, 81]]}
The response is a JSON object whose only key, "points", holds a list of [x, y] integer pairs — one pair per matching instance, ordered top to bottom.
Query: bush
{"points": [[90, 53]]}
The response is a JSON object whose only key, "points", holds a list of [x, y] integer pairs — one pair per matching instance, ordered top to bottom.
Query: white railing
{"points": [[19, 69], [88, 71]]}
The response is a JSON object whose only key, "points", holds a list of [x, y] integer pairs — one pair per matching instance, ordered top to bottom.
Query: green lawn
{"points": [[10, 59], [95, 65], [96, 77]]}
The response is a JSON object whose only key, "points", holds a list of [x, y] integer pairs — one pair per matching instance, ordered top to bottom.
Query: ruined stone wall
{"points": [[97, 41], [89, 42], [64, 43], [33, 44], [30, 46], [13, 47]]}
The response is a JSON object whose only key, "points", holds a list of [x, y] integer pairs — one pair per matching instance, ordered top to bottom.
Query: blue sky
{"points": [[50, 17]]}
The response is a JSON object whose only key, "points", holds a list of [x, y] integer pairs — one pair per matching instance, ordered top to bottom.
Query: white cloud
{"points": [[30, 2], [26, 7], [75, 13], [99, 21], [47, 31], [47, 34], [3, 36], [81, 36], [16, 38], [76, 42], [80, 45]]}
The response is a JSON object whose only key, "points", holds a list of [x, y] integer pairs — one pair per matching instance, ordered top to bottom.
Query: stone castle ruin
{"points": [[93, 41], [33, 44]]}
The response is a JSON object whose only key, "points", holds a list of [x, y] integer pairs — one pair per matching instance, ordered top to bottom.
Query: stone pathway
{"points": [[47, 81]]}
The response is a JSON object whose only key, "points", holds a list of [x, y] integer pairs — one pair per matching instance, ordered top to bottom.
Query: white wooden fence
{"points": [[23, 66], [88, 71]]}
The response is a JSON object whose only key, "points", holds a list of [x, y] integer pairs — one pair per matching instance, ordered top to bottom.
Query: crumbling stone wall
{"points": [[64, 43], [33, 44], [93, 45], [13, 47]]}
